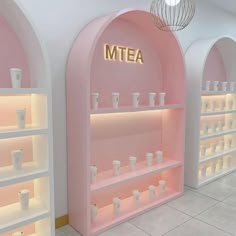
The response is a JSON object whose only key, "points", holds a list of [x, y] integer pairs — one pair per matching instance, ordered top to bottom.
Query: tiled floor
{"points": [[208, 211]]}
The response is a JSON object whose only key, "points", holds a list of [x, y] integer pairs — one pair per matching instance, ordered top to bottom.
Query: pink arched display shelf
{"points": [[22, 48], [210, 60], [97, 137]]}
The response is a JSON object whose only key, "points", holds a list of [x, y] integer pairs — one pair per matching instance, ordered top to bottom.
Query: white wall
{"points": [[59, 22]]}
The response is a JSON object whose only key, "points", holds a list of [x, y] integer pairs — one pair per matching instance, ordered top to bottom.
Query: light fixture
{"points": [[172, 15]]}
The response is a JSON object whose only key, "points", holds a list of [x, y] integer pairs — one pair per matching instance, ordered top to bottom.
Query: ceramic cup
{"points": [[16, 77], [207, 86], [215, 86], [224, 86], [232, 86], [136, 97], [162, 97], [152, 99], [95, 100], [115, 100], [230, 104], [222, 105], [204, 106], [213, 106], [21, 118], [221, 125], [214, 127], [228, 143], [222, 145], [213, 148], [203, 151], [17, 157], [159, 157], [149, 158], [132, 162], [220, 164], [116, 167], [213, 168], [203, 171], [93, 172], [162, 186], [152, 192], [136, 195], [24, 199], [116, 205], [94, 213], [18, 234]]}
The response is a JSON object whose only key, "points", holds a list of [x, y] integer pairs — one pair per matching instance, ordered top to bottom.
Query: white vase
{"points": [[215, 86], [24, 196]]}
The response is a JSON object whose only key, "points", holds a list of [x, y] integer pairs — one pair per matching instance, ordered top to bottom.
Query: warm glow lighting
{"points": [[172, 2]]}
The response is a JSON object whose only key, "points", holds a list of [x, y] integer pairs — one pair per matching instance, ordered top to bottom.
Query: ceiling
{"points": [[229, 5]]}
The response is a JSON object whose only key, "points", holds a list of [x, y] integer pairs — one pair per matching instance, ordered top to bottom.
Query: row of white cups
{"points": [[225, 86], [135, 96], [214, 106], [221, 146], [132, 164], [216, 166], [117, 202]]}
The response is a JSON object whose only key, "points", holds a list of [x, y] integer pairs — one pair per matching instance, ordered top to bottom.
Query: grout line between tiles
{"points": [[139, 228]]}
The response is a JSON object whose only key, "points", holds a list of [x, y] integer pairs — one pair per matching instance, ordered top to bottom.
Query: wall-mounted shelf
{"points": [[215, 63]]}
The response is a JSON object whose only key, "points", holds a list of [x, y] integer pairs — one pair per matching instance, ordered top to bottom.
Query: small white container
{"points": [[16, 77], [207, 86], [215, 86], [224, 86], [232, 86], [136, 97], [162, 97], [152, 99], [95, 100], [115, 100], [230, 104], [222, 105], [204, 106], [213, 106], [21, 118], [230, 124], [221, 125], [214, 127], [205, 129], [228, 143], [222, 145], [213, 148], [203, 151], [17, 157], [159, 157], [149, 158], [229, 161], [132, 162], [220, 164], [116, 167], [213, 168], [203, 171], [93, 172], [162, 186], [152, 192], [136, 195], [24, 196], [116, 205], [94, 213], [18, 234]]}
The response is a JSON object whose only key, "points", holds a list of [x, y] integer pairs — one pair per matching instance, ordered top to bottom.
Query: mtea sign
{"points": [[123, 54]]}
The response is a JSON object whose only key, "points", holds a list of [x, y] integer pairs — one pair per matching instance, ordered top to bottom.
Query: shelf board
{"points": [[21, 91], [207, 93], [136, 109], [218, 113], [14, 132], [217, 134], [217, 155], [30, 171], [107, 179], [207, 180], [12, 217], [107, 219]]}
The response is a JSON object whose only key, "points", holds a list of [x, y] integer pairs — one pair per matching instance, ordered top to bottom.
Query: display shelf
{"points": [[214, 67], [22, 91], [139, 109], [217, 134], [107, 179], [12, 217], [107, 219]]}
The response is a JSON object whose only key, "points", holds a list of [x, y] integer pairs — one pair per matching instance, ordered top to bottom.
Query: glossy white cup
{"points": [[16, 77], [215, 86], [224, 86], [162, 97], [136, 98], [152, 99], [95, 100], [115, 100], [21, 118], [221, 125], [222, 145], [17, 157], [159, 157], [149, 159], [132, 163], [116, 167], [93, 172], [162, 186], [152, 192], [136, 195], [24, 196], [116, 205], [94, 213]]}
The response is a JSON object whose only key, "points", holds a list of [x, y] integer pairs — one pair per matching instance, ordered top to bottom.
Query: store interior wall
{"points": [[60, 21]]}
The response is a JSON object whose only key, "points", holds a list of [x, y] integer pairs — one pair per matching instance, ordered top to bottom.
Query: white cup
{"points": [[16, 77], [215, 85], [207, 86], [224, 86], [232, 86], [136, 97], [162, 97], [152, 99], [95, 100], [115, 100], [230, 104], [222, 105], [204, 106], [213, 106], [20, 117], [230, 124], [221, 125], [214, 127], [205, 129], [228, 143], [222, 145], [213, 148], [203, 151], [17, 157], [159, 157], [149, 158], [229, 161], [132, 162], [220, 164], [116, 167], [213, 168], [203, 171], [93, 172], [162, 186], [152, 192], [136, 195], [24, 199], [116, 205], [94, 213], [18, 234]]}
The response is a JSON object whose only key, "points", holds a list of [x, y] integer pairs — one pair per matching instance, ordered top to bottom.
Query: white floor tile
{"points": [[229, 180], [231, 200], [192, 203], [222, 216], [160, 220], [196, 228], [69, 231], [60, 233]]}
